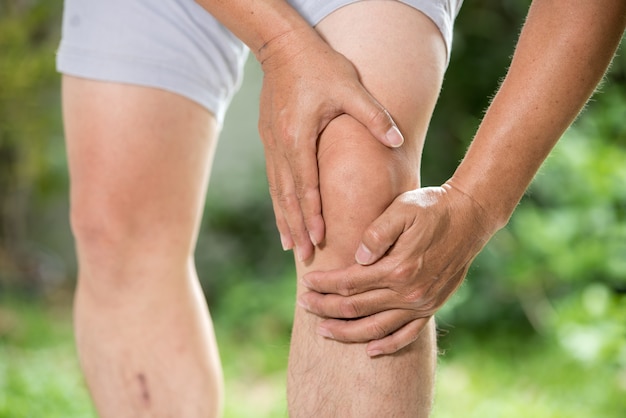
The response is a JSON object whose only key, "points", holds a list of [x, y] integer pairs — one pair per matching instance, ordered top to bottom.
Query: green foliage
{"points": [[29, 121], [239, 242]]}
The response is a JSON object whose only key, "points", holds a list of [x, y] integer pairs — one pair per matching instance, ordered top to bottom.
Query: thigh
{"points": [[441, 12], [401, 57], [145, 88], [139, 160]]}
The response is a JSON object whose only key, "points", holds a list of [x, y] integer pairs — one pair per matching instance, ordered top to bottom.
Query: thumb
{"points": [[366, 109], [381, 234]]}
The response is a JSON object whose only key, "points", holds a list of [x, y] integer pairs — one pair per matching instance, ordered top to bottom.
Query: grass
{"points": [[39, 373], [500, 376], [511, 377]]}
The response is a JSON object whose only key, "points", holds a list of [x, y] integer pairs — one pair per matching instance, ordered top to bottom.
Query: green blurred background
{"points": [[537, 330]]}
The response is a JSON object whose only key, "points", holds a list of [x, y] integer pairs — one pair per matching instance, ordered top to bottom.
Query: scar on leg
{"points": [[143, 384]]}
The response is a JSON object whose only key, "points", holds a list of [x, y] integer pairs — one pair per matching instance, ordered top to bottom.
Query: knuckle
{"points": [[379, 116], [264, 125], [265, 132], [288, 134], [269, 143], [300, 186], [274, 191], [308, 192], [288, 200], [311, 217], [373, 238], [403, 273], [346, 287], [415, 297], [424, 303], [348, 308], [377, 330], [339, 332], [393, 346]]}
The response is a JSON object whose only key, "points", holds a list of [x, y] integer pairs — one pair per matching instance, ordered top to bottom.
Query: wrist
{"points": [[284, 46], [491, 216]]}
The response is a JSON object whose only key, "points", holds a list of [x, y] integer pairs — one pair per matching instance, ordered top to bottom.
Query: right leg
{"points": [[400, 56], [139, 162]]}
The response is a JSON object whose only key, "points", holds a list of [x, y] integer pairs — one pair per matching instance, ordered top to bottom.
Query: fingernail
{"points": [[394, 137], [313, 240], [285, 242], [300, 253], [363, 255], [325, 333], [374, 353]]}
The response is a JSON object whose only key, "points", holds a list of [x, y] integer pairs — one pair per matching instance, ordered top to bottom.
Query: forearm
{"points": [[259, 23], [562, 54]]}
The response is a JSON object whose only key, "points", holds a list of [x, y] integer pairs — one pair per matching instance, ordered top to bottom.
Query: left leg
{"points": [[145, 86], [139, 162]]}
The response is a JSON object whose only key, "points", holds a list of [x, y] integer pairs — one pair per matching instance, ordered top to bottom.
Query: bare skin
{"points": [[139, 161], [359, 178], [433, 234]]}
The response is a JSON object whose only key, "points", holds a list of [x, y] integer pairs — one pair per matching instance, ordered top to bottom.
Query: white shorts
{"points": [[177, 46]]}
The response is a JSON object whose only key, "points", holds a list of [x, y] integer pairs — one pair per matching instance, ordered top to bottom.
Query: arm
{"points": [[259, 23], [563, 52], [306, 85]]}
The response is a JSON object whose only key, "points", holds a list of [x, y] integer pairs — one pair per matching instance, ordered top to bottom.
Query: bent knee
{"points": [[359, 178]]}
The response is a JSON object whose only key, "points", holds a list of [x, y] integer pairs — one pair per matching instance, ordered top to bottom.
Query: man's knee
{"points": [[359, 178], [103, 232], [115, 242]]}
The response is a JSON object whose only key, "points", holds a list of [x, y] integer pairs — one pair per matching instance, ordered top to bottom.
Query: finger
{"points": [[364, 108], [269, 144], [300, 157], [303, 163], [290, 207], [283, 228], [382, 233], [348, 281], [349, 307], [374, 327], [398, 340]]}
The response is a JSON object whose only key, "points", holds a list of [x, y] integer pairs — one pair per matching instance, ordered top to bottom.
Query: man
{"points": [[145, 87], [140, 136]]}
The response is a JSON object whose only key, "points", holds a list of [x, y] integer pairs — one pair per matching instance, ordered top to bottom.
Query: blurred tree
{"points": [[29, 32], [484, 39]]}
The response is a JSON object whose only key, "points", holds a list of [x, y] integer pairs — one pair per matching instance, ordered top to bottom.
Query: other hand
{"points": [[410, 261]]}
